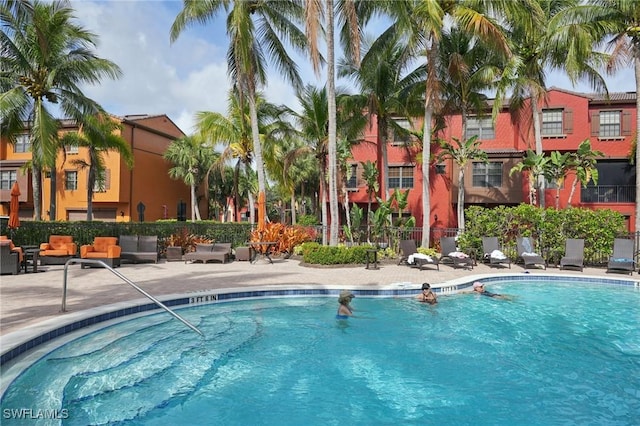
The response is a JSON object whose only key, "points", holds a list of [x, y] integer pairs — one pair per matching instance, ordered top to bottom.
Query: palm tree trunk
{"points": [[537, 134], [257, 146], [333, 148], [426, 162], [36, 179], [91, 181], [573, 190], [53, 192], [345, 192], [461, 199], [193, 203], [293, 207], [323, 208]]}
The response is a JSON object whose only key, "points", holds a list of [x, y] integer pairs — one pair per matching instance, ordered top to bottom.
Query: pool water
{"points": [[554, 354]]}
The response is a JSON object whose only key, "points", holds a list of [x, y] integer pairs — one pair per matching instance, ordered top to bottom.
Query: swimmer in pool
{"points": [[478, 288], [427, 295], [344, 305]]}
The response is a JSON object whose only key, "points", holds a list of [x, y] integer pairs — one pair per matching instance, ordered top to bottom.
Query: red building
{"points": [[567, 119]]}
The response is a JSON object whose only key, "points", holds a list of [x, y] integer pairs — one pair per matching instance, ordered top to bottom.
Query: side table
{"points": [[31, 258], [372, 258]]}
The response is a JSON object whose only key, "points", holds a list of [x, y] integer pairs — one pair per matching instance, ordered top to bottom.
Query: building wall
{"points": [[512, 140], [148, 182]]}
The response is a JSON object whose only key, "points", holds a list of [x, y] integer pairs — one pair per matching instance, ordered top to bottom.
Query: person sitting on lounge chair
{"points": [[427, 295]]}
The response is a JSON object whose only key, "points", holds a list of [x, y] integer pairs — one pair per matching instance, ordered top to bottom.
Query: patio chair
{"points": [[105, 249], [57, 250], [450, 252], [492, 252], [527, 254], [573, 254], [409, 255], [622, 259], [9, 260]]}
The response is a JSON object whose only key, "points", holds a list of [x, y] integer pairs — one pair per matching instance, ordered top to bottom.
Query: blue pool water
{"points": [[555, 354]]}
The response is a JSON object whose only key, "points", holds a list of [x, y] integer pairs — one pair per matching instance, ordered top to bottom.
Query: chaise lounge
{"points": [[206, 252], [492, 252], [450, 253], [527, 253], [573, 254], [411, 256], [622, 259]]}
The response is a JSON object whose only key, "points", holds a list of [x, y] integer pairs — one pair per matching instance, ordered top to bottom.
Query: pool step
{"points": [[131, 393]]}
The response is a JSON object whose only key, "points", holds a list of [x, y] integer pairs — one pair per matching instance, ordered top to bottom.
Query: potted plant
{"points": [[182, 242]]}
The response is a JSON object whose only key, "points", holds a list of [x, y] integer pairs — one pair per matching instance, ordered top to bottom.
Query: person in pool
{"points": [[478, 288], [427, 295], [344, 305]]}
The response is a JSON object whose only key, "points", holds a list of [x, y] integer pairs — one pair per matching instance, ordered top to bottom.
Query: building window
{"points": [[552, 122], [609, 124], [480, 127], [399, 136], [23, 143], [71, 149], [487, 175], [401, 177], [7, 178], [71, 180], [352, 183]]}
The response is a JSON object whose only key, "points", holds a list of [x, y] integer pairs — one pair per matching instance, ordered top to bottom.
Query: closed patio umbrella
{"points": [[14, 207]]}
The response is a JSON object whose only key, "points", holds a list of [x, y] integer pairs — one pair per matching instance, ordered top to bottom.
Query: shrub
{"points": [[315, 253]]}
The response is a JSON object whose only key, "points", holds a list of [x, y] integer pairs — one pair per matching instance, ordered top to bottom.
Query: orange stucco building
{"points": [[146, 184]]}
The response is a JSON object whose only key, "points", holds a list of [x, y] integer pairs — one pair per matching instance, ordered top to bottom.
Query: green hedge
{"points": [[318, 254]]}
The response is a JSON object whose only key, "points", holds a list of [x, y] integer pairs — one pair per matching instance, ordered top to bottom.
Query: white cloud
{"points": [[190, 75]]}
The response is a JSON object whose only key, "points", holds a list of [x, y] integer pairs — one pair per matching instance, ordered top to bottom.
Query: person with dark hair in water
{"points": [[427, 295]]}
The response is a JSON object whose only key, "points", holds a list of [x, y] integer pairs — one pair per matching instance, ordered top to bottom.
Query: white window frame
{"points": [[552, 123], [610, 124], [481, 127], [23, 143], [482, 174], [405, 177], [7, 178], [71, 180]]}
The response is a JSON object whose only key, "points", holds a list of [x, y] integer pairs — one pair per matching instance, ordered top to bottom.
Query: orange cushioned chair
{"points": [[13, 247], [103, 248], [58, 250]]}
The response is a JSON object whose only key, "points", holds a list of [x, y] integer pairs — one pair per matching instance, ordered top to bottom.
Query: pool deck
{"points": [[27, 299]]}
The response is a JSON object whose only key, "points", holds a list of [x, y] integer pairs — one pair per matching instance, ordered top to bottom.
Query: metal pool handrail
{"points": [[125, 279]]}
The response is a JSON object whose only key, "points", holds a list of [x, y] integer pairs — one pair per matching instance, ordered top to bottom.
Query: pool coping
{"points": [[24, 340]]}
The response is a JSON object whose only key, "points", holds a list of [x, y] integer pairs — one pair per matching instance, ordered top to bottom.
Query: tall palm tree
{"points": [[424, 22], [618, 22], [256, 31], [557, 43], [45, 58], [383, 79], [233, 132], [99, 136], [462, 153], [192, 158], [370, 176]]}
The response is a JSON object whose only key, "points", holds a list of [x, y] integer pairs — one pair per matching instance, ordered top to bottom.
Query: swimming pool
{"points": [[557, 353]]}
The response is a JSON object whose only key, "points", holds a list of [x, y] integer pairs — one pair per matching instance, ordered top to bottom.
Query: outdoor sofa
{"points": [[139, 248], [206, 252]]}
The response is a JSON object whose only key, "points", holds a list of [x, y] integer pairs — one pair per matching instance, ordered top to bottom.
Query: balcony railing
{"points": [[609, 194]]}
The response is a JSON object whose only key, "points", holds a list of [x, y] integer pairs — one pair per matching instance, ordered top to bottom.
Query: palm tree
{"points": [[618, 22], [424, 23], [256, 31], [556, 43], [45, 58], [384, 79], [234, 132], [99, 136], [462, 153], [192, 159], [583, 162], [535, 165], [556, 171], [370, 176]]}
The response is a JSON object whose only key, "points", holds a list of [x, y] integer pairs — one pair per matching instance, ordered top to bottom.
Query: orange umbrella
{"points": [[261, 206], [14, 218]]}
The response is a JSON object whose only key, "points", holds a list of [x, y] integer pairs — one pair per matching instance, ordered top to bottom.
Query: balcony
{"points": [[609, 194]]}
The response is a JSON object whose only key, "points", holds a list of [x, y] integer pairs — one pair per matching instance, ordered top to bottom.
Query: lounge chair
{"points": [[139, 248], [105, 249], [58, 250], [206, 252], [450, 252], [492, 253], [527, 254], [573, 254], [410, 256], [9, 259], [622, 259]]}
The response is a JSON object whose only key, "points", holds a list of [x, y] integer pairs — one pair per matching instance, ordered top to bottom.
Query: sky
{"points": [[190, 75]]}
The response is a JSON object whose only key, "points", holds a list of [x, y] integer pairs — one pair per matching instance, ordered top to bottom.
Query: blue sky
{"points": [[190, 75]]}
